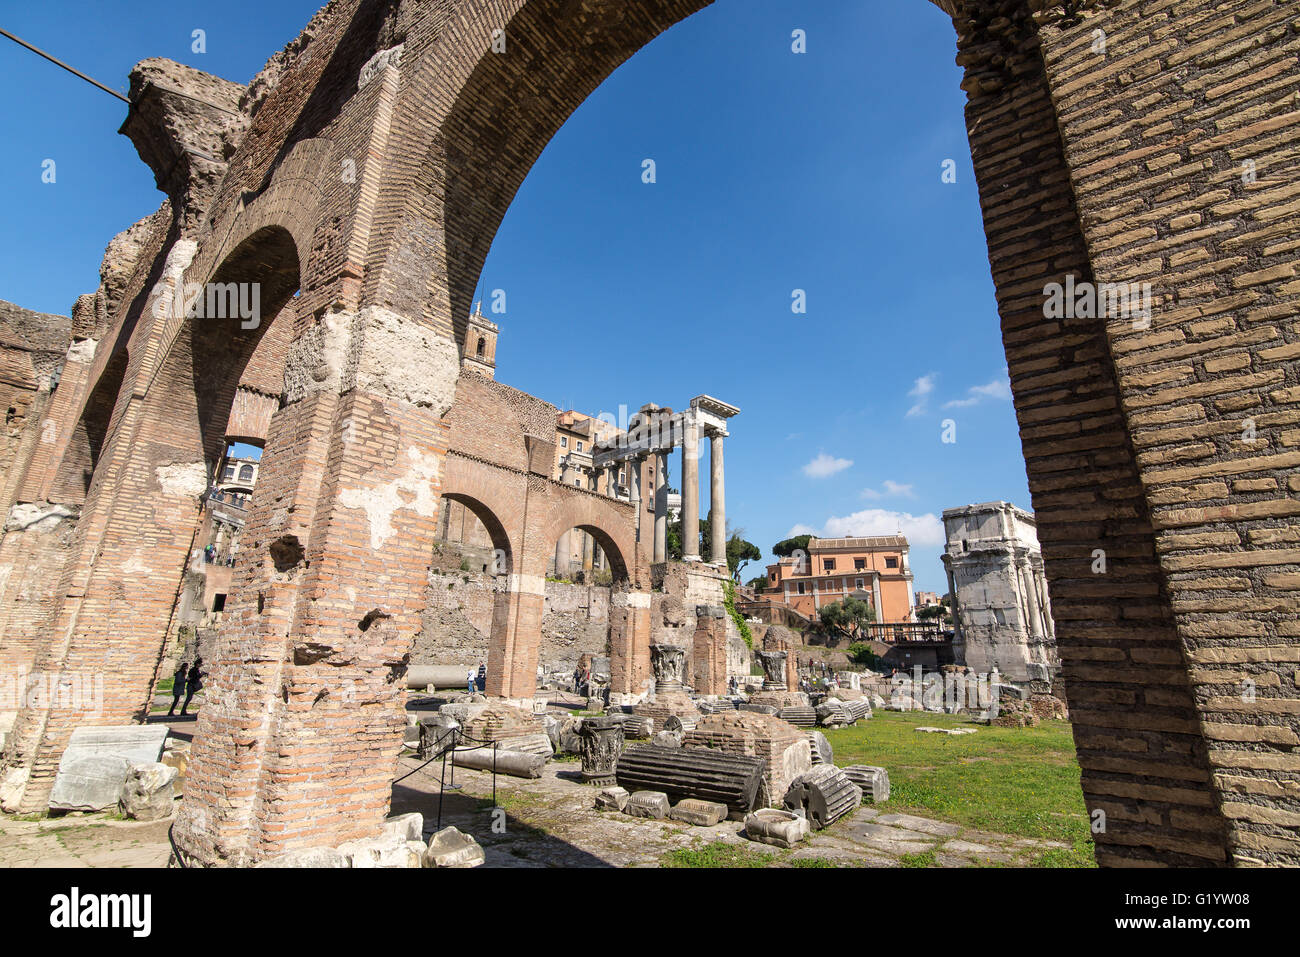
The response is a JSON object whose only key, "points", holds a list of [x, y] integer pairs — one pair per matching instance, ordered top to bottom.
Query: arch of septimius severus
{"points": [[360, 180]]}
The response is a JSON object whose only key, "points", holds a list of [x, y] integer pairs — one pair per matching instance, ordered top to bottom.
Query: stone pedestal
{"points": [[773, 663], [775, 693], [670, 698], [602, 743]]}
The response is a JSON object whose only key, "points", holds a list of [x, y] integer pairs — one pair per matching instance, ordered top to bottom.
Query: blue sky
{"points": [[775, 172]]}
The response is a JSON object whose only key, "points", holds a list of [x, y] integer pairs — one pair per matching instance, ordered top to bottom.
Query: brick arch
{"points": [[1066, 154], [76, 464], [144, 509], [604, 521], [500, 535]]}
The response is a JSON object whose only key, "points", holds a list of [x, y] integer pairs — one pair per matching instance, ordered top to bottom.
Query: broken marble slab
{"points": [[94, 765]]}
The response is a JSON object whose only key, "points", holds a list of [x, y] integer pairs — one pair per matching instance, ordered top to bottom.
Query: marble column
{"points": [[634, 466], [691, 492], [717, 502], [661, 507], [563, 555], [1031, 597], [956, 618]]}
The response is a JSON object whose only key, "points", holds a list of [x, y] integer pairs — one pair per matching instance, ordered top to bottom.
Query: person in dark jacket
{"points": [[193, 683], [178, 686]]}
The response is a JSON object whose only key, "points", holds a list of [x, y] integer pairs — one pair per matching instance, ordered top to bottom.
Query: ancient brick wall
{"points": [[1181, 144]]}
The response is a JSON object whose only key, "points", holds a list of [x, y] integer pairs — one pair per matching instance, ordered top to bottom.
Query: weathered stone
{"points": [[799, 716], [667, 739], [602, 742], [822, 753], [95, 764], [518, 764], [702, 773], [873, 781], [147, 793], [825, 794], [612, 798], [651, 804], [700, 813], [406, 827], [778, 828], [451, 848], [383, 852], [311, 857]]}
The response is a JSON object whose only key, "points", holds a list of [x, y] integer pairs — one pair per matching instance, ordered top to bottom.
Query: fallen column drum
{"points": [[702, 773]]}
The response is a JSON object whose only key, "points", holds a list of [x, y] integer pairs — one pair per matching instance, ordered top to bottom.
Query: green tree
{"points": [[786, 548], [926, 612], [846, 618]]}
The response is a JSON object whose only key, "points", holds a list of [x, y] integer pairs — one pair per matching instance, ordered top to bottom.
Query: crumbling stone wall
{"points": [[456, 625]]}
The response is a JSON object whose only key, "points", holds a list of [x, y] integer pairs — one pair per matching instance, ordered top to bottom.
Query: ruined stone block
{"points": [[612, 798], [651, 804], [700, 813], [778, 828], [452, 848]]}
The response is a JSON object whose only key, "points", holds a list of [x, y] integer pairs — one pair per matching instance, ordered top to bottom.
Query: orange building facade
{"points": [[876, 569]]}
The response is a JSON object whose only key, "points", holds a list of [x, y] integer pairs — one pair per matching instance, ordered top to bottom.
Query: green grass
{"points": [[1019, 781], [722, 854], [923, 859]]}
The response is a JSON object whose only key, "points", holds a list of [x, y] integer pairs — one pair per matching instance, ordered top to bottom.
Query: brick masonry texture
{"points": [[373, 187]]}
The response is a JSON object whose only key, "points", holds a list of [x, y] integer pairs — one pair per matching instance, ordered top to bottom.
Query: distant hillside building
{"points": [[836, 568], [1001, 609]]}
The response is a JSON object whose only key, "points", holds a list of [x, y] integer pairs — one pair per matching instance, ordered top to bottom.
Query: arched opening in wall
{"points": [[238, 341], [230, 359], [1060, 376], [77, 468], [470, 538], [587, 555], [466, 601]]}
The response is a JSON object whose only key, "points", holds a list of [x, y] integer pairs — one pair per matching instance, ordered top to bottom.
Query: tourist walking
{"points": [[469, 680], [193, 683], [178, 687]]}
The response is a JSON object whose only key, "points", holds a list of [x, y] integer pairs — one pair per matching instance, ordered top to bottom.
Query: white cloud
{"points": [[921, 390], [999, 390], [825, 466], [891, 488], [796, 530], [920, 530]]}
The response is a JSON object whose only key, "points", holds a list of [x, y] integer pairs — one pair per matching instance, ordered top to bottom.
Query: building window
{"points": [[482, 345], [564, 441], [579, 446], [230, 473], [246, 473], [577, 483], [891, 562], [828, 564], [859, 564], [859, 584], [801, 588], [219, 603]]}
